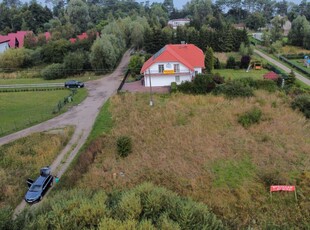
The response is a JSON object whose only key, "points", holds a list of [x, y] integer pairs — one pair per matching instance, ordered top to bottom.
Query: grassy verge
{"points": [[14, 80], [23, 109], [86, 156], [23, 159]]}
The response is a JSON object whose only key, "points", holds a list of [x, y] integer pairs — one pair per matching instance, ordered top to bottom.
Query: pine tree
{"points": [[209, 60]]}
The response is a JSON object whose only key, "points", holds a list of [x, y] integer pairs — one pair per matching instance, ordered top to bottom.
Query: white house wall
{"points": [[3, 47], [164, 80]]}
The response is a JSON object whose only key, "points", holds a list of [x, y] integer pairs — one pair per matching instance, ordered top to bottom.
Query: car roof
{"points": [[40, 180]]}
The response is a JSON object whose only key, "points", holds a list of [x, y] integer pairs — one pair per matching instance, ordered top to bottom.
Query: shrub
{"points": [[54, 51], [13, 59], [245, 61], [74, 62], [231, 63], [135, 64], [53, 71], [218, 79], [203, 84], [268, 85], [173, 87], [186, 87], [234, 89], [302, 102], [251, 117], [124, 146]]}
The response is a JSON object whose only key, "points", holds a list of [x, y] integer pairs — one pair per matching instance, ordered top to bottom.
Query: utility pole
{"points": [[151, 93]]}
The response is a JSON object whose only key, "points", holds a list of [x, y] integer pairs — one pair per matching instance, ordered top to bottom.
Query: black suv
{"points": [[74, 84], [39, 187]]}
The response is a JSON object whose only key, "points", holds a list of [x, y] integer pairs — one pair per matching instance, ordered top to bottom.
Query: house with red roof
{"points": [[173, 63]]}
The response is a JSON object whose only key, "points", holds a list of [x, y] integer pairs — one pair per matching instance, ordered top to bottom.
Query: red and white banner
{"points": [[277, 188]]}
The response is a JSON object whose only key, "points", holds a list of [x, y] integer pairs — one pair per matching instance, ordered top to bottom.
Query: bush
{"points": [[13, 59], [245, 61], [74, 62], [231, 63], [53, 71], [218, 79], [268, 85], [173, 87], [186, 87], [234, 89], [302, 102], [251, 117], [124, 146]]}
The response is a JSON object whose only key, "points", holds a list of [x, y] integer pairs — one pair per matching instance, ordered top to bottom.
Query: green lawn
{"points": [[300, 63], [234, 74], [83, 78], [19, 110]]}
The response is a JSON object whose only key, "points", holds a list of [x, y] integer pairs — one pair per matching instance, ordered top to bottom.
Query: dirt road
{"points": [[280, 65], [82, 117]]}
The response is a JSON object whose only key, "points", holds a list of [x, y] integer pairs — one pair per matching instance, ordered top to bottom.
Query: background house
{"points": [[174, 23], [173, 63]]}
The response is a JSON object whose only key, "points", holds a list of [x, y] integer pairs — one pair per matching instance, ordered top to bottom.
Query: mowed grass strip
{"points": [[241, 73], [19, 110], [195, 146], [23, 159]]}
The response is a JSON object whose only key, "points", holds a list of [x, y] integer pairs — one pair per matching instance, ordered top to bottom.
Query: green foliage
{"points": [[78, 15], [300, 31], [55, 51], [13, 59], [209, 60], [74, 62], [231, 63], [135, 64], [53, 71], [290, 79], [201, 84], [173, 87], [234, 89], [302, 102], [251, 117], [124, 146], [143, 207]]}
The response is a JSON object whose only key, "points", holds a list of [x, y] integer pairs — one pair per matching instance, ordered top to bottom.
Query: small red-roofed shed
{"points": [[271, 76]]}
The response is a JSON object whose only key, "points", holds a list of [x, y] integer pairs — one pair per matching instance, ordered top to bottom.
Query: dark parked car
{"points": [[74, 84], [38, 188]]}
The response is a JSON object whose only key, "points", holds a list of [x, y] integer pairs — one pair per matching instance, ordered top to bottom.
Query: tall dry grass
{"points": [[189, 143], [23, 159]]}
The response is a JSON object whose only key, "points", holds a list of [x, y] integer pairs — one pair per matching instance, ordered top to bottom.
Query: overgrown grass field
{"points": [[19, 110], [195, 146], [23, 159]]}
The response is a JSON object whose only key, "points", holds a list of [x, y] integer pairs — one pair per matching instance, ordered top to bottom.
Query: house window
{"points": [[161, 68], [176, 68], [196, 72], [177, 78]]}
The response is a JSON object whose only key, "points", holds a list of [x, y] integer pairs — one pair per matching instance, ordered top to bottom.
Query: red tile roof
{"points": [[4, 39], [187, 54], [271, 76]]}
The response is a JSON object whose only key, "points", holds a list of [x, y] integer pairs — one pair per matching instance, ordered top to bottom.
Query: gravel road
{"points": [[280, 65], [82, 117]]}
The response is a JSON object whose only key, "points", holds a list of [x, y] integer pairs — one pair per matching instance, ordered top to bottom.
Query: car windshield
{"points": [[35, 188]]}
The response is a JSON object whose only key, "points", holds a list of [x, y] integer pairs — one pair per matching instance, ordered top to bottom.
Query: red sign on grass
{"points": [[277, 188]]}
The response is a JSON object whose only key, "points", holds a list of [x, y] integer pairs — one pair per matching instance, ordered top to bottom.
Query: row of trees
{"points": [[300, 33]]}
